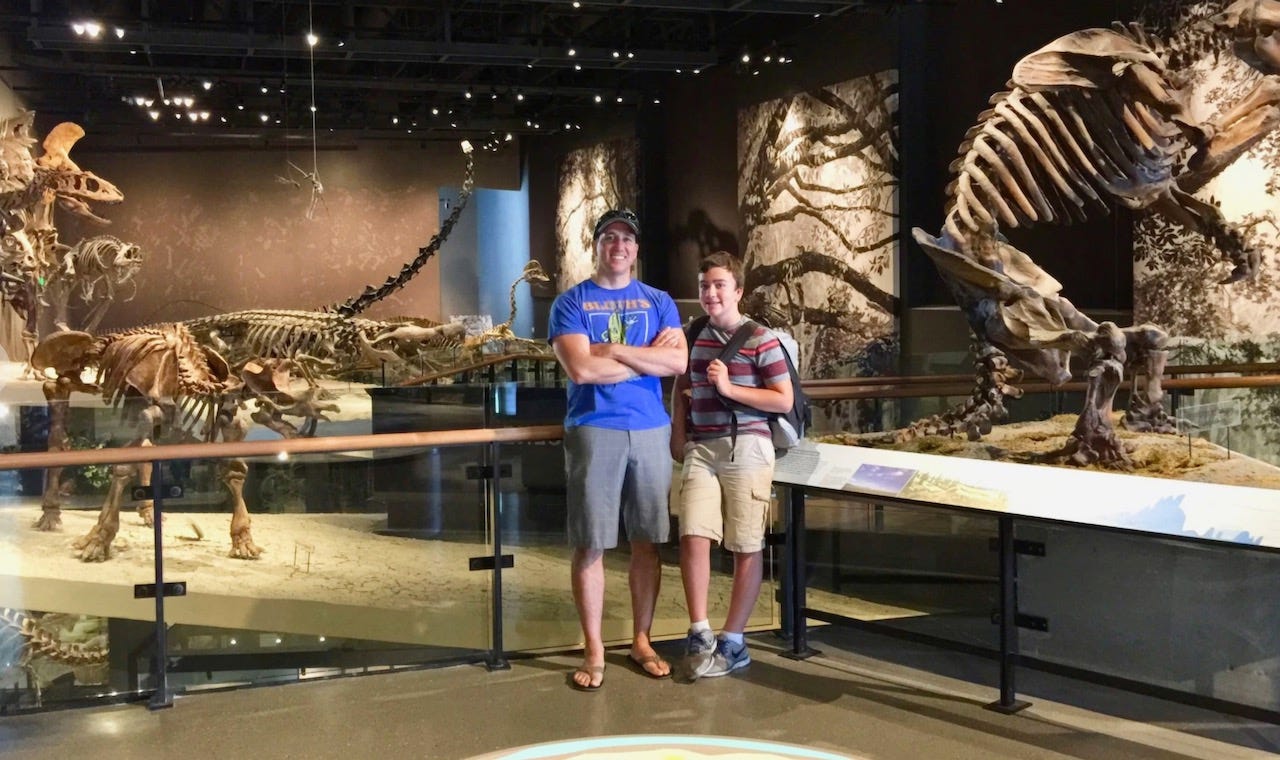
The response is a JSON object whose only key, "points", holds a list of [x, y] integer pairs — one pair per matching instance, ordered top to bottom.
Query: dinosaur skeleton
{"points": [[1094, 117], [30, 254], [92, 269], [173, 375], [166, 380]]}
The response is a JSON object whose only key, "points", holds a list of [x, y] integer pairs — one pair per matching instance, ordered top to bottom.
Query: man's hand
{"points": [[668, 338], [603, 350], [677, 449]]}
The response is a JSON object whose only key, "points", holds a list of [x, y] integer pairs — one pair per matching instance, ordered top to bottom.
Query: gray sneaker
{"points": [[699, 649], [727, 658]]}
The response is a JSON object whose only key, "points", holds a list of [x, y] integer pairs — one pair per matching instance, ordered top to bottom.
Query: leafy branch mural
{"points": [[592, 180], [817, 187]]}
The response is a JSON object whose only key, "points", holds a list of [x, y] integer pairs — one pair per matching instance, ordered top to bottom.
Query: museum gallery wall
{"points": [[590, 181], [817, 197], [228, 230], [1177, 273]]}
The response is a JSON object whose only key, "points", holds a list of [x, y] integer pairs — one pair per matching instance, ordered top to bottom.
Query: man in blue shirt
{"points": [[615, 337]]}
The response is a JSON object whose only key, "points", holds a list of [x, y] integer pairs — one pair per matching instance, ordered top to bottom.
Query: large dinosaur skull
{"points": [[1255, 27]]}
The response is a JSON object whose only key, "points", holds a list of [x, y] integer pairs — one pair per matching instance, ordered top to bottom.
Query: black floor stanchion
{"points": [[796, 576], [497, 653], [163, 696], [1008, 702]]}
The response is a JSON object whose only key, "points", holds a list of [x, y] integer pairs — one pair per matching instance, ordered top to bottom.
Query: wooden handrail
{"points": [[1170, 371], [833, 391], [291, 446]]}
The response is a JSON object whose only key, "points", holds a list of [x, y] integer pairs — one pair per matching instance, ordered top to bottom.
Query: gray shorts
{"points": [[612, 473]]}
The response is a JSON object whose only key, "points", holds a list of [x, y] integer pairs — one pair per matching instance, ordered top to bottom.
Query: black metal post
{"points": [[796, 575], [497, 654], [162, 697], [1008, 702]]}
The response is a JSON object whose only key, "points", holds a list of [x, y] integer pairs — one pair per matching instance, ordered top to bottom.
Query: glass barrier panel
{"points": [[929, 571], [1189, 617], [71, 632]]}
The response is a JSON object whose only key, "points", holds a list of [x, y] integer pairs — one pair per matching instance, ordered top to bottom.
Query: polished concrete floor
{"points": [[864, 696]]}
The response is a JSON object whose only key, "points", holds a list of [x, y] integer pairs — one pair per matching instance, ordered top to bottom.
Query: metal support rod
{"points": [[796, 575], [497, 653], [162, 697], [1008, 702]]}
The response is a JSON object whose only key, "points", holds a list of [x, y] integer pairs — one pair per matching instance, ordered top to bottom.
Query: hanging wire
{"points": [[311, 60]]}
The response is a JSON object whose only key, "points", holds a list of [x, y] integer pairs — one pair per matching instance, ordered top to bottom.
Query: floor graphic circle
{"points": [[663, 747]]}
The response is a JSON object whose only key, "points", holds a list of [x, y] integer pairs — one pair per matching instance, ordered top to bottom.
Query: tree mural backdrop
{"points": [[592, 180], [817, 187], [1177, 273]]}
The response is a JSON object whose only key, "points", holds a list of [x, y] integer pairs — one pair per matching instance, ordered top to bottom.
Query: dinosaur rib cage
{"points": [[1055, 155], [283, 333]]}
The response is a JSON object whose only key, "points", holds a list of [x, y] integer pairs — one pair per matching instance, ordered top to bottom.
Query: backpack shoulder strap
{"points": [[694, 329], [739, 339]]}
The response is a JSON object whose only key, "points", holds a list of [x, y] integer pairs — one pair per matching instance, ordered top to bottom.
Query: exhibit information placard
{"points": [[1178, 508]]}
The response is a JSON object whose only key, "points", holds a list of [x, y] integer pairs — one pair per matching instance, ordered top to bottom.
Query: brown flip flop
{"points": [[641, 662], [591, 671]]}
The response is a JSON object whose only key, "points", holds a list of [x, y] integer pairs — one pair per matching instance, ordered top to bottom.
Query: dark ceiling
{"points": [[390, 69]]}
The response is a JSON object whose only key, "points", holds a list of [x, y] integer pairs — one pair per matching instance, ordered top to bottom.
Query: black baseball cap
{"points": [[626, 216]]}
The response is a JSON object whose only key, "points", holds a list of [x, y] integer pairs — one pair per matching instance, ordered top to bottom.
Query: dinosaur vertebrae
{"points": [[1061, 141], [372, 295], [284, 333], [41, 643]]}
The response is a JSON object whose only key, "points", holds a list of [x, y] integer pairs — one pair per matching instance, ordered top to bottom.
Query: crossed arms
{"points": [[604, 363]]}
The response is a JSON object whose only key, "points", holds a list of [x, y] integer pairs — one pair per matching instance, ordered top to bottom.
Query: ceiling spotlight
{"points": [[577, 4], [78, 28], [93, 29], [119, 33], [312, 39], [341, 43], [132, 51], [572, 52], [616, 54], [631, 55], [746, 58], [768, 58], [577, 67], [679, 71], [697, 71], [207, 85], [264, 89], [493, 93], [467, 94], [519, 95], [598, 98], [618, 99], [139, 100], [166, 101], [657, 101], [148, 102], [239, 106], [313, 108], [435, 111], [154, 114], [177, 115], [192, 115], [204, 116], [264, 117], [222, 119], [395, 119], [277, 121], [528, 122], [453, 124], [536, 125], [567, 125], [508, 137]]}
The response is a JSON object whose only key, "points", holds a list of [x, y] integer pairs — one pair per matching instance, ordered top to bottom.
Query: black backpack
{"points": [[788, 428]]}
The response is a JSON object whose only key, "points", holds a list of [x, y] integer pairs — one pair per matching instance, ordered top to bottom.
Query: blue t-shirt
{"points": [[633, 315]]}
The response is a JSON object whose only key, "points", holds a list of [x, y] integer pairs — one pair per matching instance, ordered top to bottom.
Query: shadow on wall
{"points": [[690, 242]]}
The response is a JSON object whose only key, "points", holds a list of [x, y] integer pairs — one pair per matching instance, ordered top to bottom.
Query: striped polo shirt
{"points": [[761, 362]]}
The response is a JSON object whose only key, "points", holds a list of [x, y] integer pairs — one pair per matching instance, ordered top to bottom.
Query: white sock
{"points": [[701, 625], [732, 638]]}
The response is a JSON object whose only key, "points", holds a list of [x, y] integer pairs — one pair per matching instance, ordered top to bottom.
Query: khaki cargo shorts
{"points": [[725, 491]]}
